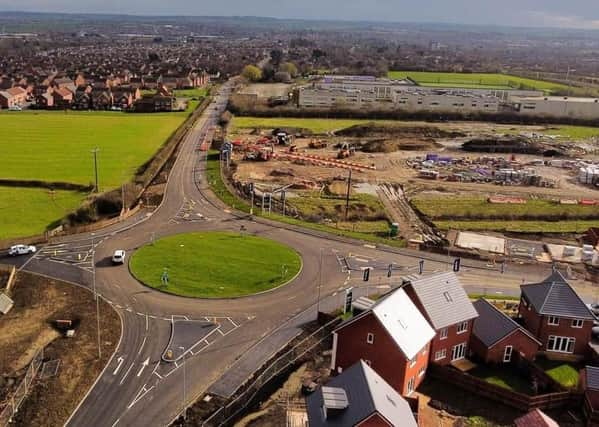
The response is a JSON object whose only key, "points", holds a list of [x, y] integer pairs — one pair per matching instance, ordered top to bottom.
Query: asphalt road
{"points": [[138, 387]]}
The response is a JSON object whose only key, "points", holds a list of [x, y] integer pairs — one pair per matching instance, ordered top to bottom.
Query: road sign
{"points": [[456, 265], [421, 266], [390, 270], [366, 274], [348, 300]]}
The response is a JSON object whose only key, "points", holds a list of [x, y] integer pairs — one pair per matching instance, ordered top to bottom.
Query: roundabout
{"points": [[215, 264]]}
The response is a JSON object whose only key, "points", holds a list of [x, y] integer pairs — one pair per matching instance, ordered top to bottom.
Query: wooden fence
{"points": [[519, 401]]}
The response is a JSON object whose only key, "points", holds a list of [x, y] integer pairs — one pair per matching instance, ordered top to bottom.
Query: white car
{"points": [[15, 108], [21, 250], [118, 257]]}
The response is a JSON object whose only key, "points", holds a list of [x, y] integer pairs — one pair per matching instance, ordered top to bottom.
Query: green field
{"points": [[476, 80], [198, 92], [314, 125], [573, 132], [56, 146], [30, 211], [536, 216], [215, 264], [564, 373], [503, 377]]}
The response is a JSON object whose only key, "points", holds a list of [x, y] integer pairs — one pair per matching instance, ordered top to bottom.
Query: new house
{"points": [[13, 97], [444, 303], [554, 313], [392, 337], [496, 338], [589, 383], [358, 397], [535, 418]]}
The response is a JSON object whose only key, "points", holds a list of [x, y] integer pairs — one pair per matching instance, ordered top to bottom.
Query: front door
{"points": [[458, 351]]}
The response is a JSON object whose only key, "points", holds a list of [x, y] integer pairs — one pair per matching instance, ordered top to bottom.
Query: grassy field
{"points": [[476, 80], [198, 92], [315, 125], [573, 132], [56, 146], [477, 208], [31, 211], [519, 226], [215, 264]]}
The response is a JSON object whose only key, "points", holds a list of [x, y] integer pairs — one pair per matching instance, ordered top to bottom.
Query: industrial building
{"points": [[557, 106]]}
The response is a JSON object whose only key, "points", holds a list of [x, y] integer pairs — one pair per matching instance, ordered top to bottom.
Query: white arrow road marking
{"points": [[120, 360], [143, 366], [140, 395]]}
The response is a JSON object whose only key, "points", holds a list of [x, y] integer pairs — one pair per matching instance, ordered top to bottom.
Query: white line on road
{"points": [[147, 324], [234, 324], [142, 346], [126, 373], [116, 422]]}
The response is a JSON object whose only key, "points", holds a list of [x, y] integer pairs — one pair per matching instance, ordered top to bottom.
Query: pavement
{"points": [[217, 344]]}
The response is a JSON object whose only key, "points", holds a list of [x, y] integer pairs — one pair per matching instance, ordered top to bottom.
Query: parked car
{"points": [[15, 108], [21, 250], [118, 257]]}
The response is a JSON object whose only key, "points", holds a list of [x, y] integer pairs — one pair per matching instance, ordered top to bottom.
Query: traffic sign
{"points": [[348, 300]]}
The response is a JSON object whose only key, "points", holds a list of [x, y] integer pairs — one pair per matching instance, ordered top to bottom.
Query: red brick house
{"points": [[13, 97], [63, 97], [445, 305], [554, 313], [392, 337], [496, 337], [589, 384], [358, 397], [535, 418]]}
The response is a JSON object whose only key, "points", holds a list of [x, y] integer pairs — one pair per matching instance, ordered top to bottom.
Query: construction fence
{"points": [[247, 394], [14, 401]]}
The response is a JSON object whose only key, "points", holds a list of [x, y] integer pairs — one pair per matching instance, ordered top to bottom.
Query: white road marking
{"points": [[361, 260], [147, 322], [234, 324], [142, 346], [120, 360], [143, 366], [126, 373], [142, 392], [116, 422]]}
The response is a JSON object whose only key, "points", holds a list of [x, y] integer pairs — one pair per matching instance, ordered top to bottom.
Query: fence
{"points": [[248, 393], [510, 398], [15, 401]]}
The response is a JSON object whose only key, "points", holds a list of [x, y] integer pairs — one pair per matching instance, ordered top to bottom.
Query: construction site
{"points": [[371, 177]]}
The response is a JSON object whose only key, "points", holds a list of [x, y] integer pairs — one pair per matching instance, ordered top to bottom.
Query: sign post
{"points": [[348, 300]]}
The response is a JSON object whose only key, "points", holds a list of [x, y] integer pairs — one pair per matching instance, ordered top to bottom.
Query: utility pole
{"points": [[95, 153], [347, 195]]}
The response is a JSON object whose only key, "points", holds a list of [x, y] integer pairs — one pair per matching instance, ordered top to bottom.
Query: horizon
{"points": [[466, 15]]}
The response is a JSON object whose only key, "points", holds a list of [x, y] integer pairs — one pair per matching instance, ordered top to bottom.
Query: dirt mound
{"points": [[420, 132], [389, 145], [510, 145]]}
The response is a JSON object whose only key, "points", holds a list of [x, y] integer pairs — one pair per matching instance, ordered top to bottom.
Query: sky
{"points": [[583, 14]]}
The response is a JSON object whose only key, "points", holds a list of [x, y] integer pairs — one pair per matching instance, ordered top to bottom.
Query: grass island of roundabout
{"points": [[215, 264]]}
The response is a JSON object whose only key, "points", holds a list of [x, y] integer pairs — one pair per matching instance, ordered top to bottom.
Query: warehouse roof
{"points": [[555, 297], [443, 299], [365, 393]]}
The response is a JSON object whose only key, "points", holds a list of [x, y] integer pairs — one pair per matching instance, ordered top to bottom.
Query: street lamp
{"points": [[184, 380]]}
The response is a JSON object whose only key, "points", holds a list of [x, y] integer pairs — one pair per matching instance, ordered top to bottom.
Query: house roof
{"points": [[17, 90], [555, 297], [444, 299], [402, 320], [492, 325], [591, 378], [366, 393], [535, 418]]}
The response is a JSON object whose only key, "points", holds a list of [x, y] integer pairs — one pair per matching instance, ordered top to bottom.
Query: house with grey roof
{"points": [[443, 302], [554, 313], [392, 337], [496, 337], [589, 383], [358, 397], [535, 418]]}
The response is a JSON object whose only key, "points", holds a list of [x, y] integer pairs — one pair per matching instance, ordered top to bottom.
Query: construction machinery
{"points": [[317, 144], [345, 151]]}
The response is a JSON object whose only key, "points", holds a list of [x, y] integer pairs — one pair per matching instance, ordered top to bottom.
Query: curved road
{"points": [[137, 388]]}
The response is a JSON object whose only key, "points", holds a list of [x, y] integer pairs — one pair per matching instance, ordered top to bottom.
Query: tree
{"points": [[275, 57], [288, 67], [252, 73]]}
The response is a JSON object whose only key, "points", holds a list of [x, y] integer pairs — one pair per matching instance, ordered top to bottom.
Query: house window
{"points": [[553, 320], [577, 323], [462, 327], [443, 333], [370, 338], [561, 344], [458, 352], [441, 354], [507, 354], [421, 371], [411, 384]]}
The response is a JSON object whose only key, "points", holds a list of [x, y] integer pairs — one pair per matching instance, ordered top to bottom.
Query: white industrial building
{"points": [[558, 106]]}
